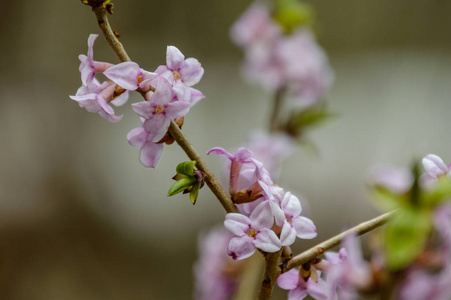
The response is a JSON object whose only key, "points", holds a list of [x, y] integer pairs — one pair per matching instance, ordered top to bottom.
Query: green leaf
{"points": [[293, 13], [186, 168], [181, 185], [194, 192], [440, 193], [405, 237]]}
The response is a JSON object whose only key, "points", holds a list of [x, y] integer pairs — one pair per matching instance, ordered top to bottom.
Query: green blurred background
{"points": [[80, 218]]}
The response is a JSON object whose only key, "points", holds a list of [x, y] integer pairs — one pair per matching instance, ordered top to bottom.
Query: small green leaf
{"points": [[293, 13], [186, 168], [181, 185], [194, 192], [405, 237]]}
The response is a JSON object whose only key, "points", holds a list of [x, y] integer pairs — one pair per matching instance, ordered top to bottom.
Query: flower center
{"points": [[176, 74], [140, 79], [159, 109], [251, 232]]}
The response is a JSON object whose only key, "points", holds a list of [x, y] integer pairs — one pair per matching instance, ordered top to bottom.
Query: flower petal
{"points": [[174, 58], [191, 71], [124, 74], [163, 92], [196, 96], [121, 99], [143, 109], [177, 109], [157, 126], [137, 137], [216, 150], [150, 154], [434, 165], [291, 205], [262, 216], [237, 224], [305, 229], [288, 235], [267, 240], [241, 247], [289, 280]]}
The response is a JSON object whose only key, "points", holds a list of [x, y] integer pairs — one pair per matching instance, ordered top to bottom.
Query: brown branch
{"points": [[174, 130], [319, 249], [272, 272]]}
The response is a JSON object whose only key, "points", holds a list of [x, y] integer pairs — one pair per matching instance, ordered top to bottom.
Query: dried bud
{"points": [[96, 3]]}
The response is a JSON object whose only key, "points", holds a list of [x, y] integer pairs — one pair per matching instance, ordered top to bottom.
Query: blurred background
{"points": [[81, 218]]}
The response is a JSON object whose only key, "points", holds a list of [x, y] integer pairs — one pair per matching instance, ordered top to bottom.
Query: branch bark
{"points": [[319, 249], [272, 272]]}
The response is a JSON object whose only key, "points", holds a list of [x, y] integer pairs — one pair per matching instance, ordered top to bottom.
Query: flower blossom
{"points": [[88, 67], [180, 70], [130, 76], [162, 106], [150, 152], [435, 168], [251, 233], [216, 274], [300, 288]]}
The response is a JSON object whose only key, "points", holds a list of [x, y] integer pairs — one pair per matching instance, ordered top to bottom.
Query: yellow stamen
{"points": [[176, 74], [140, 79], [159, 109], [251, 232]]}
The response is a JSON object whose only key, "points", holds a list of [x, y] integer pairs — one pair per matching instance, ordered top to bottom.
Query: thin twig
{"points": [[277, 105], [174, 130], [319, 249], [272, 272]]}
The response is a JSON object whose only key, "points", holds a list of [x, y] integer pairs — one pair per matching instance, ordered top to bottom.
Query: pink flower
{"points": [[255, 25], [89, 67], [178, 69], [130, 76], [95, 98], [165, 104], [150, 152], [435, 168], [394, 179], [295, 225], [251, 233], [350, 271], [212, 279], [299, 288]]}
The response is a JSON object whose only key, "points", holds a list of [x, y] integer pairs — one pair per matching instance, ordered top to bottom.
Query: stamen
{"points": [[176, 74], [140, 79], [159, 109], [251, 232]]}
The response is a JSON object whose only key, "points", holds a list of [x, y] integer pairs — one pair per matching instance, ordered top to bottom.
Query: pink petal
{"points": [[92, 38], [174, 58], [191, 71], [165, 72], [125, 75], [182, 91], [163, 94], [196, 96], [108, 109], [144, 109], [177, 109], [110, 117], [157, 126], [137, 137], [218, 151], [150, 154], [243, 155], [434, 165], [291, 205], [262, 216], [237, 224], [305, 229], [288, 235], [267, 240], [241, 247], [289, 280], [317, 289], [297, 294]]}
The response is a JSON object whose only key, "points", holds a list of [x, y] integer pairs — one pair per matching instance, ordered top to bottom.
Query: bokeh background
{"points": [[80, 218]]}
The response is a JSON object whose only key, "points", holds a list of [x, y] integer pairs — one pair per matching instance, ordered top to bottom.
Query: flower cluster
{"points": [[276, 59], [168, 95], [269, 217]]}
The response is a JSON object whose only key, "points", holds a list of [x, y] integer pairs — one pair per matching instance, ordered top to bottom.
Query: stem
{"points": [[111, 38], [278, 97], [174, 130], [210, 178], [360, 229], [272, 271]]}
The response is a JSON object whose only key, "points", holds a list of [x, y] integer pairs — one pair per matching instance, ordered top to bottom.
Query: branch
{"points": [[174, 130], [360, 229], [272, 272]]}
